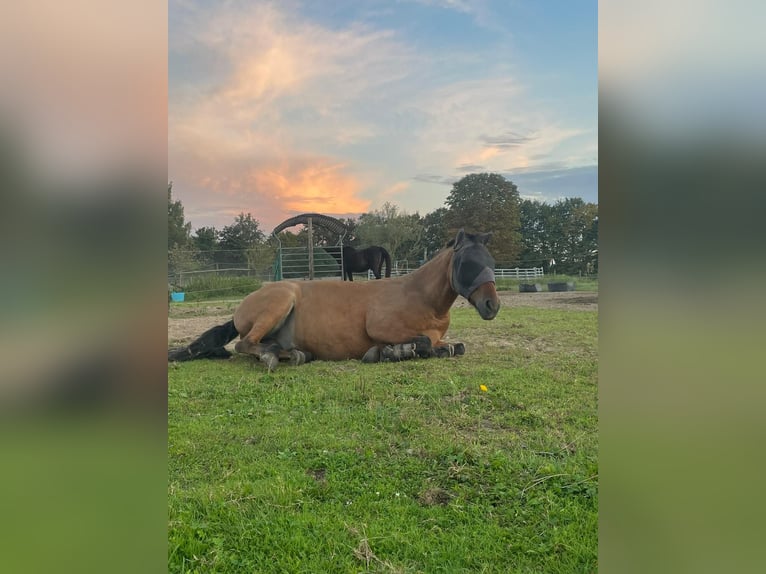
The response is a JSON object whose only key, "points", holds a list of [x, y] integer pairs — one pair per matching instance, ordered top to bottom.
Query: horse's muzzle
{"points": [[485, 299]]}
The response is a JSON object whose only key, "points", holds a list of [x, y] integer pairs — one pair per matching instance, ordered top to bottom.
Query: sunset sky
{"points": [[279, 108]]}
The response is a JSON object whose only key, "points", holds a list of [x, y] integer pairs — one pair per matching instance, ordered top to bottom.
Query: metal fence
{"points": [[296, 263], [519, 273]]}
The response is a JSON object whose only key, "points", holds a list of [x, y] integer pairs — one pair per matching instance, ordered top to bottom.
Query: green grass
{"points": [[581, 283], [216, 287], [405, 467]]}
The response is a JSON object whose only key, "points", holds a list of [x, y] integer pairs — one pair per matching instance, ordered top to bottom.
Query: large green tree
{"points": [[487, 202], [534, 217], [435, 231], [566, 231], [579, 233], [236, 239], [205, 241]]}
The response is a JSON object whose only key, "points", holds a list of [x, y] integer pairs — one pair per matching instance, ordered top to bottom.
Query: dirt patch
{"points": [[571, 300], [185, 324], [182, 331], [434, 497]]}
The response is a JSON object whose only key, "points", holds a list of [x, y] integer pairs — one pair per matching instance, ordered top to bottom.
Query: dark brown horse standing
{"points": [[360, 260], [396, 319]]}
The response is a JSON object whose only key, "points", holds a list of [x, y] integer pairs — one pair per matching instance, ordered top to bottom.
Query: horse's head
{"points": [[473, 272]]}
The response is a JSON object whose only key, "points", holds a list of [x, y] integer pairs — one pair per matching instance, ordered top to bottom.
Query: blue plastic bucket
{"points": [[177, 297]]}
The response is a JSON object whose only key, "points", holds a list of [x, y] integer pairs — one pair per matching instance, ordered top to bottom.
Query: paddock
{"points": [[188, 321], [485, 462]]}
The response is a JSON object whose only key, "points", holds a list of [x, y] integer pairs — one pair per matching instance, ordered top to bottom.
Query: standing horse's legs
{"points": [[376, 265]]}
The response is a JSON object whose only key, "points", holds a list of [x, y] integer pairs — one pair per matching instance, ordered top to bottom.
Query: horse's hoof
{"points": [[449, 351], [372, 355], [300, 357], [270, 360]]}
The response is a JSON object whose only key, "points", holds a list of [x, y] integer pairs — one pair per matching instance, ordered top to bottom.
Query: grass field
{"points": [[405, 467]]}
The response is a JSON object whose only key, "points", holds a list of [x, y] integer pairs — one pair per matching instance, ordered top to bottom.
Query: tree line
{"points": [[526, 233]]}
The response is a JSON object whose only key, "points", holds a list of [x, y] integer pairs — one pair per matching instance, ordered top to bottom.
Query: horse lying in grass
{"points": [[360, 260], [394, 319]]}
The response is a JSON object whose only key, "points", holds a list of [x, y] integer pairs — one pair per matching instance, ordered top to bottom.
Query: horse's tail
{"points": [[387, 259], [208, 345]]}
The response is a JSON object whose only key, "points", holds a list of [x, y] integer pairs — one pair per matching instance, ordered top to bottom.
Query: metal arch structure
{"points": [[309, 220], [329, 223]]}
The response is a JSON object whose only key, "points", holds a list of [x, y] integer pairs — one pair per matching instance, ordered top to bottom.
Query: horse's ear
{"points": [[485, 237], [459, 239]]}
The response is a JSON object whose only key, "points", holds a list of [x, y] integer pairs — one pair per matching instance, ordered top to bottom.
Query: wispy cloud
{"points": [[275, 112], [256, 131], [506, 140], [470, 168], [433, 178], [553, 183]]}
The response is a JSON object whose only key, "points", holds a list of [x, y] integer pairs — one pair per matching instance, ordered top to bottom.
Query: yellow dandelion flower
{"points": [[483, 388]]}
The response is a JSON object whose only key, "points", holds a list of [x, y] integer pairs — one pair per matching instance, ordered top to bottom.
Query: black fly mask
{"points": [[472, 265]]}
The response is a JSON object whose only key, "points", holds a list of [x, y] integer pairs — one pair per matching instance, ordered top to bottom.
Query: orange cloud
{"points": [[318, 186], [273, 190]]}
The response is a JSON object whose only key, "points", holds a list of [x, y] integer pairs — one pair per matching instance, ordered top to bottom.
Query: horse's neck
{"points": [[432, 282]]}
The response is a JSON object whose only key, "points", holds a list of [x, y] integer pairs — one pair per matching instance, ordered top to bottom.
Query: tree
{"points": [[487, 202], [179, 231], [566, 231], [399, 232], [435, 232], [578, 236], [237, 238], [205, 239], [534, 239], [205, 242]]}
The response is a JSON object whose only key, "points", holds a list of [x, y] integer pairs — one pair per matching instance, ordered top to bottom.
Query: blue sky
{"points": [[278, 108]]}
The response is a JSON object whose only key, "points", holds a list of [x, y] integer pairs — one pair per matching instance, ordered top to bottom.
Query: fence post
{"points": [[311, 249]]}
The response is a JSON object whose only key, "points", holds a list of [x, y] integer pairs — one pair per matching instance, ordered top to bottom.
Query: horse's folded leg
{"points": [[244, 346], [422, 346], [448, 350], [400, 352], [217, 353], [372, 355], [270, 356], [300, 357], [270, 360]]}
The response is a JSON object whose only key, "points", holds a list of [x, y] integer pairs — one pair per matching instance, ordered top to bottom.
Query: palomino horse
{"points": [[360, 260], [395, 319]]}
